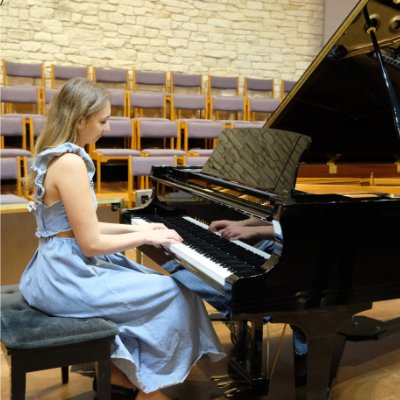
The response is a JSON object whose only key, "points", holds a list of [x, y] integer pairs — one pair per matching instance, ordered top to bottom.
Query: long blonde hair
{"points": [[77, 100]]}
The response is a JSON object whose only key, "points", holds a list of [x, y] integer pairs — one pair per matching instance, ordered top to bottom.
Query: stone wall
{"points": [[258, 38]]}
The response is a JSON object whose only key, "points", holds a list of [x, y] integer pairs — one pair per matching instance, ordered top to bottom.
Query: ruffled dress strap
{"points": [[43, 159]]}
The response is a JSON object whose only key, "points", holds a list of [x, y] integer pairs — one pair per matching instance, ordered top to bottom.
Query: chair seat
{"points": [[117, 152], [163, 152], [200, 152], [15, 153], [12, 199], [24, 328]]}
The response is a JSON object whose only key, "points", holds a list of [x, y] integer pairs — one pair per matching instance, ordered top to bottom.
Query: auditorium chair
{"points": [[62, 73], [26, 74], [117, 82], [286, 87], [187, 96], [224, 97], [260, 97], [24, 100], [36, 125], [204, 133], [13, 138], [158, 138], [116, 144], [139, 170], [11, 174]]}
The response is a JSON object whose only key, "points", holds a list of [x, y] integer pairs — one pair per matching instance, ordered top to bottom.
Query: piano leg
{"points": [[325, 346], [246, 366]]}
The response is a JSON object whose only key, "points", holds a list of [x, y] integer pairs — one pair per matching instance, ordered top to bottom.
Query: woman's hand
{"points": [[152, 226], [160, 237]]}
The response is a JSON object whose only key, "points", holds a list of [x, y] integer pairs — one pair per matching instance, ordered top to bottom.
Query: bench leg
{"points": [[103, 372], [64, 374], [18, 379]]}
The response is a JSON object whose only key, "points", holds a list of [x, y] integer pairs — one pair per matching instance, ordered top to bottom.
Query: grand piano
{"points": [[325, 172]]}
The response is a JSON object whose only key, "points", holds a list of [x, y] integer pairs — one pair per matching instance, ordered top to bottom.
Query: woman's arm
{"points": [[69, 176], [110, 228]]}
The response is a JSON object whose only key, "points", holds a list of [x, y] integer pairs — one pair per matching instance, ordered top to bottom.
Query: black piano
{"points": [[336, 251]]}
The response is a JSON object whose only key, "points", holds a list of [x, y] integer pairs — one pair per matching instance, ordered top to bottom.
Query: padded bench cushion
{"points": [[23, 327]]}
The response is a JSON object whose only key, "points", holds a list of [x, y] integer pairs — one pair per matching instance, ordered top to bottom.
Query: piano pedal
{"points": [[217, 378], [225, 384], [236, 390]]}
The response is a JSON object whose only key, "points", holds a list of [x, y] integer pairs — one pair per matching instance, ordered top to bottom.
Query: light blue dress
{"points": [[163, 327]]}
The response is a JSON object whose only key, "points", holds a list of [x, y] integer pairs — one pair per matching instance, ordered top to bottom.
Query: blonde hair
{"points": [[77, 101]]}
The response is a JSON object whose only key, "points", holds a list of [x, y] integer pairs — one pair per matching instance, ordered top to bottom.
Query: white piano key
{"points": [[213, 270]]}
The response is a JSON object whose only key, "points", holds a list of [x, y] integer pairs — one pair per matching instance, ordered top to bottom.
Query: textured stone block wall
{"points": [[257, 38]]}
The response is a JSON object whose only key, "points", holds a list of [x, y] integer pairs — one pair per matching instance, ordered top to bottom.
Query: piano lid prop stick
{"points": [[389, 86]]}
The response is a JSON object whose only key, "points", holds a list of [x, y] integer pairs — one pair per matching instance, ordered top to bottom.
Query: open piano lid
{"points": [[342, 101]]}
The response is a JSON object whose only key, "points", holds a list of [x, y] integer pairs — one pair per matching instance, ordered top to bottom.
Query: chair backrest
{"points": [[66, 72], [23, 73], [112, 78], [149, 81], [186, 83], [223, 85], [256, 86], [286, 87], [13, 96], [47, 96], [119, 102], [154, 103], [192, 103], [230, 106], [36, 125], [14, 128], [157, 130], [201, 130], [119, 136], [197, 161], [10, 170]]}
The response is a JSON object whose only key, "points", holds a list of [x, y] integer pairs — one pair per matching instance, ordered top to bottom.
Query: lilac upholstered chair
{"points": [[62, 73], [28, 74], [144, 81], [117, 82], [286, 87], [47, 96], [187, 96], [260, 97], [224, 98], [15, 99], [153, 103], [232, 107], [264, 107], [248, 124], [36, 125], [206, 133], [13, 136], [152, 138], [109, 147], [197, 161], [139, 169], [10, 171]]}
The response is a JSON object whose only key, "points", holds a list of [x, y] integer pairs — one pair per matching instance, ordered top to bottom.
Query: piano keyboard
{"points": [[207, 252]]}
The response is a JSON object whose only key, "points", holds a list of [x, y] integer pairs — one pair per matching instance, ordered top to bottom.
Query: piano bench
{"points": [[34, 341]]}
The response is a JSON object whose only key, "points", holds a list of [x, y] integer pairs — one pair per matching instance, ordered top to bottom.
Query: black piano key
{"points": [[230, 255]]}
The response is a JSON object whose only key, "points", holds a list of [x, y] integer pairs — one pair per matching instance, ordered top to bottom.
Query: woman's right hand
{"points": [[160, 237]]}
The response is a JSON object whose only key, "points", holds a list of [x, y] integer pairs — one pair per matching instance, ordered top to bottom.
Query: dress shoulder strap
{"points": [[43, 159]]}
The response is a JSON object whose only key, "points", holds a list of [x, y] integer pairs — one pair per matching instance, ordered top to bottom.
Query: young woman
{"points": [[78, 272]]}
